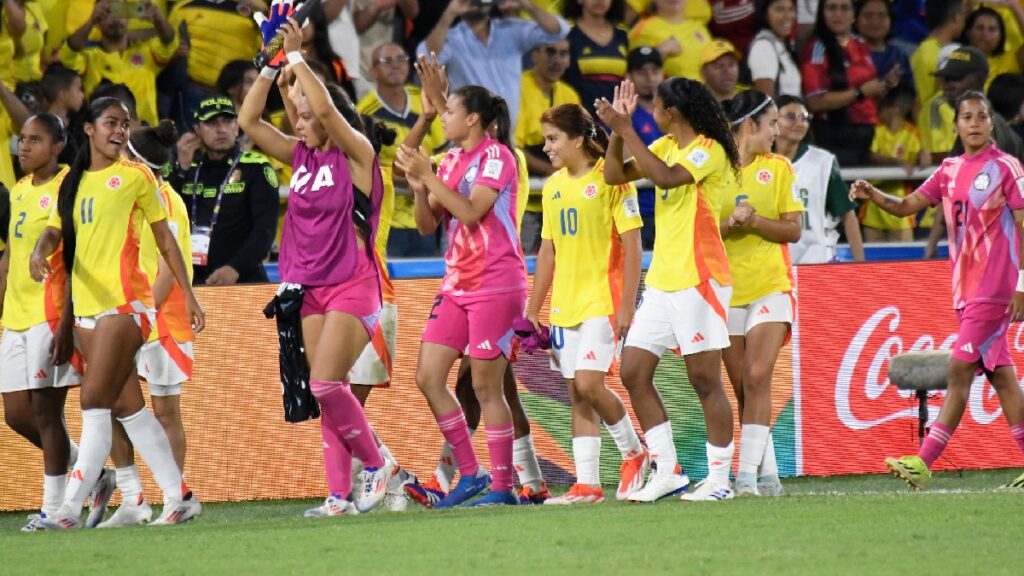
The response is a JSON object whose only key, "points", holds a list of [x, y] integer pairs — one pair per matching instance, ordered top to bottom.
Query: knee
{"points": [[634, 378], [757, 378], [427, 381], [706, 383], [588, 391], [487, 392], [168, 415], [45, 417]]}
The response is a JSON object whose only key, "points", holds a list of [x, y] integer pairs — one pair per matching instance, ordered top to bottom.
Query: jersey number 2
{"points": [[960, 213], [17, 227]]}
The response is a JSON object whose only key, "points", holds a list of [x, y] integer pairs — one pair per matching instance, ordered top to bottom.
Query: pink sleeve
{"points": [[497, 169], [1013, 184], [934, 185]]}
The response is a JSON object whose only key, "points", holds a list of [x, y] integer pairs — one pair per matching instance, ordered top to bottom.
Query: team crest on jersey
{"points": [[899, 151], [470, 174], [764, 176], [981, 181], [114, 182], [590, 192], [44, 202]]}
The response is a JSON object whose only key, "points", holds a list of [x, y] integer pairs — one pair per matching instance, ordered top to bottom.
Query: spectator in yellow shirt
{"points": [[945, 20], [986, 31], [679, 39], [28, 42], [114, 58], [542, 88], [896, 143]]}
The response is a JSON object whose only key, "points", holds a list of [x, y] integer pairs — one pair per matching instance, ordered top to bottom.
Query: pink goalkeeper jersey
{"points": [[979, 194], [483, 258]]}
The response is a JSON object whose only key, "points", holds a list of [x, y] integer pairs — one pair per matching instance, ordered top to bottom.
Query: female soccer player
{"points": [[335, 179], [982, 194], [101, 202], [759, 219], [590, 251], [688, 283], [484, 286], [165, 360], [35, 379]]}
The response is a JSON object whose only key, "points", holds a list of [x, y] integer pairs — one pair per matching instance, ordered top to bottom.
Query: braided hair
{"points": [[694, 102]]}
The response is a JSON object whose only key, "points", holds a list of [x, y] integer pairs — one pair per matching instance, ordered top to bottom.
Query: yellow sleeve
{"points": [[162, 53], [72, 59], [913, 145], [702, 158], [787, 192], [147, 196], [626, 208], [54, 220], [545, 225]]}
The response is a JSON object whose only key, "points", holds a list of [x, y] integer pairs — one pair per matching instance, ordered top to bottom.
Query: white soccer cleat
{"points": [[632, 473], [661, 485], [746, 485], [372, 486], [770, 486], [708, 490], [100, 496], [396, 499], [332, 506], [179, 511], [129, 515], [62, 519], [34, 523]]}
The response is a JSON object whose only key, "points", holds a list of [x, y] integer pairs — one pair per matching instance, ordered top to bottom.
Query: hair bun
{"points": [[166, 132]]}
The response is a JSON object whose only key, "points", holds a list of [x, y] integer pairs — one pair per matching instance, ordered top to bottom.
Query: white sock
{"points": [[625, 436], [149, 438], [752, 446], [662, 447], [386, 452], [586, 452], [72, 454], [92, 454], [524, 460], [719, 462], [446, 466], [769, 466], [130, 484], [53, 492]]}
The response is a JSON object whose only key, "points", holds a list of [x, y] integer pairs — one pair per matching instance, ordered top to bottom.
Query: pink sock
{"points": [[337, 400], [1017, 431], [456, 432], [499, 443], [935, 443], [337, 459]]}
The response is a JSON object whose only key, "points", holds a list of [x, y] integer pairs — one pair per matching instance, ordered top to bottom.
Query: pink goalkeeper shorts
{"points": [[358, 296], [478, 326], [982, 335]]}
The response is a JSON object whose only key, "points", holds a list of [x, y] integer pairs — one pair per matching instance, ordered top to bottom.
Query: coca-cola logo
{"points": [[865, 398]]}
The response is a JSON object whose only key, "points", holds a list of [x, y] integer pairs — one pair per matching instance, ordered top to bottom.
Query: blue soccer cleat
{"points": [[467, 487], [496, 499]]}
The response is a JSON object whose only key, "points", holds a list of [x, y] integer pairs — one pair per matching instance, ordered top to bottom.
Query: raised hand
{"points": [[280, 10], [292, 33], [434, 81], [624, 97], [618, 121], [413, 162]]}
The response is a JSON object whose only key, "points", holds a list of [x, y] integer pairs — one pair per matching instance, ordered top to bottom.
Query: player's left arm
{"points": [[785, 230], [168, 246], [632, 252], [163, 283], [1016, 307]]}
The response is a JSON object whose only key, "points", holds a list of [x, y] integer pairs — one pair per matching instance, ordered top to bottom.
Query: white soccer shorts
{"points": [[775, 307], [688, 321], [589, 345], [25, 361], [165, 364], [373, 367]]}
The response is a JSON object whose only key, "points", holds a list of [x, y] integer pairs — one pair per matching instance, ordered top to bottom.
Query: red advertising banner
{"points": [[851, 320]]}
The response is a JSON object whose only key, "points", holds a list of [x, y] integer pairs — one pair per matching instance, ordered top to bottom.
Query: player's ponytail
{"points": [[576, 122], [378, 133], [153, 146], [68, 193]]}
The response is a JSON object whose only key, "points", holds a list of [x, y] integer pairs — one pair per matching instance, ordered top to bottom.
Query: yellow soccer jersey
{"points": [[698, 10], [218, 36], [692, 36], [28, 49], [924, 61], [1005, 63], [136, 67], [401, 122], [936, 123], [904, 144], [523, 191], [110, 209], [583, 218], [688, 249], [760, 267], [27, 302], [172, 317]]}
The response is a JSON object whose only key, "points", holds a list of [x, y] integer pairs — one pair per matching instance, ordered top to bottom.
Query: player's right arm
{"points": [[250, 119], [894, 205], [39, 264], [544, 271]]}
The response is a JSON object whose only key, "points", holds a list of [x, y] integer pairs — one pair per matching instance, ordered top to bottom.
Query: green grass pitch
{"points": [[842, 525]]}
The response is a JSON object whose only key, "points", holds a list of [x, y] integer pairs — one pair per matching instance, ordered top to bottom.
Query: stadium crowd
{"points": [[356, 112]]}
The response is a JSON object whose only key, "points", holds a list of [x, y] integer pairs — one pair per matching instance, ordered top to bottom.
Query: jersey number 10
{"points": [[570, 221]]}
